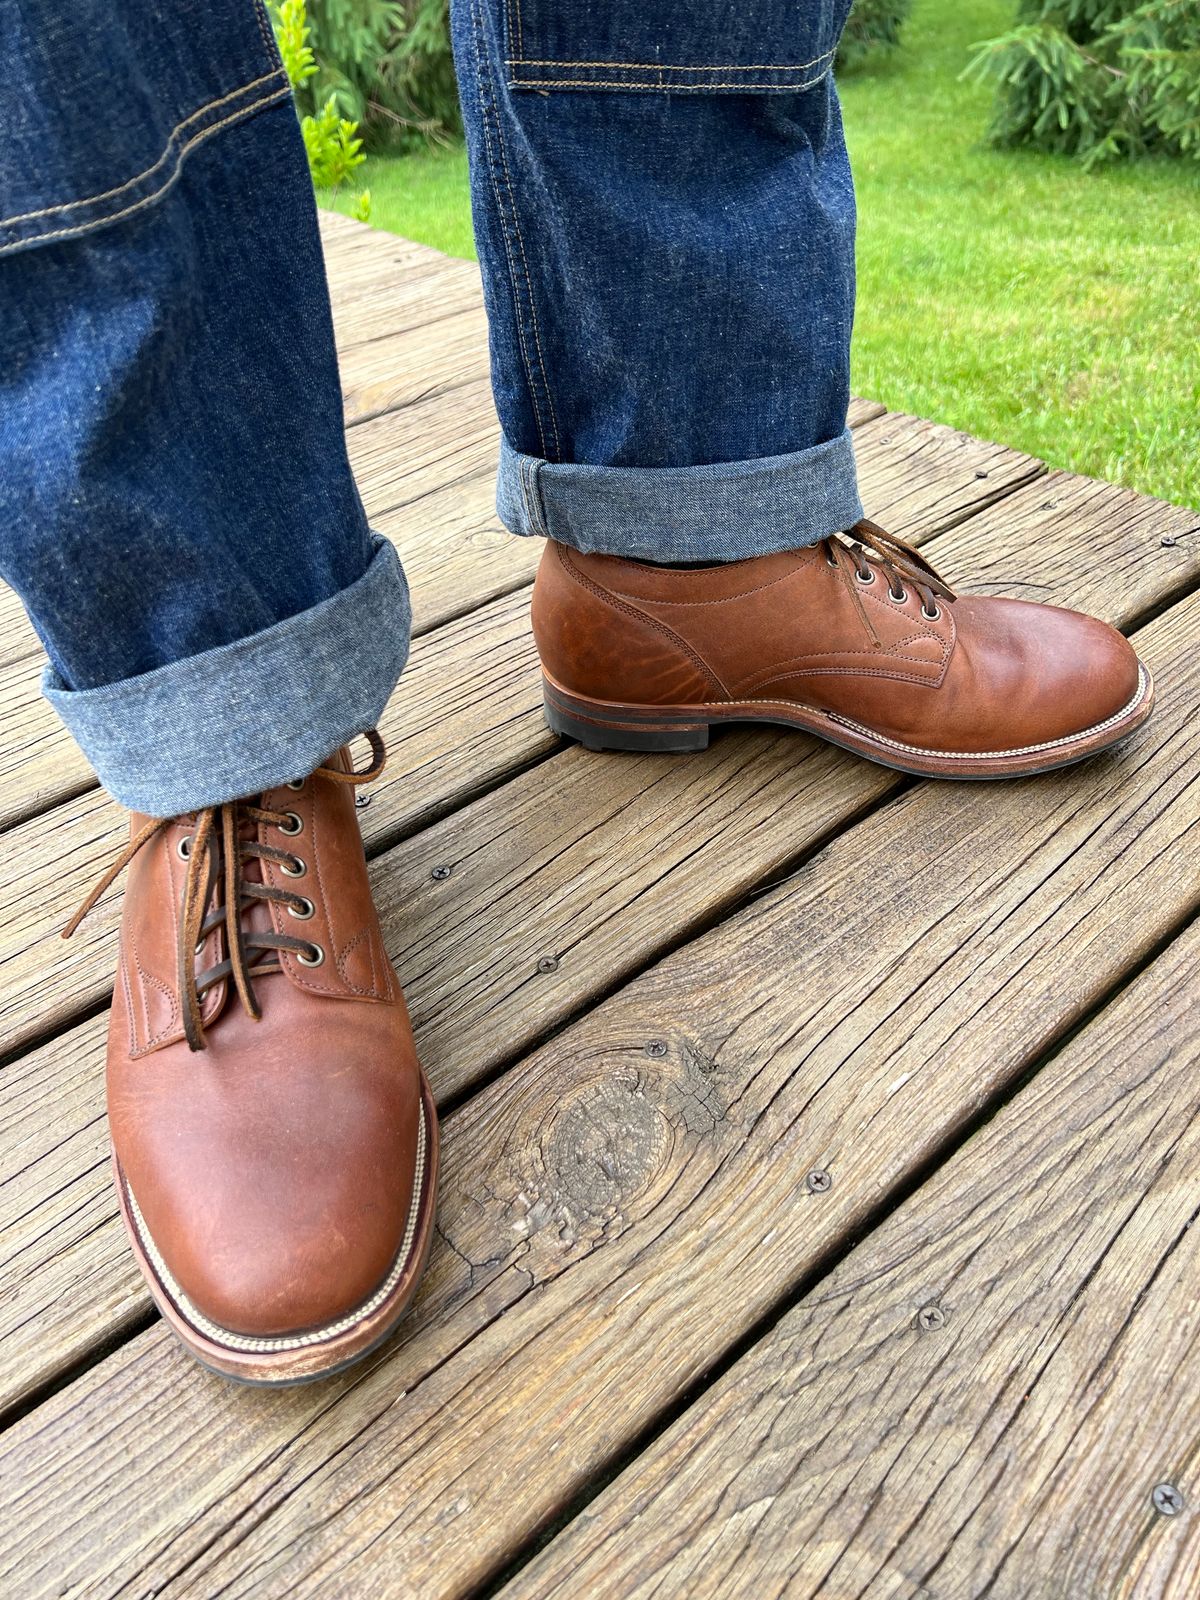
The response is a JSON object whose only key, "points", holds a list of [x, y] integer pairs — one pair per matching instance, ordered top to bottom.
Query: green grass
{"points": [[1007, 293]]}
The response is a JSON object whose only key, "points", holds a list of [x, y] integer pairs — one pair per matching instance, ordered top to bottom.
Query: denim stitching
{"points": [[657, 66], [674, 88], [488, 110], [95, 199], [146, 200], [533, 321], [533, 499]]}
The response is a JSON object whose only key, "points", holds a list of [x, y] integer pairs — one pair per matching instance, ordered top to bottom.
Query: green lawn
{"points": [[1009, 294]]}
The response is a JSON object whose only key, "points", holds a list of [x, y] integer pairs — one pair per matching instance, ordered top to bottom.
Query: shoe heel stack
{"points": [[602, 725]]}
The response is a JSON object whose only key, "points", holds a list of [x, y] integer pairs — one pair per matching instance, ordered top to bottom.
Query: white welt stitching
{"points": [[1023, 750], [238, 1341]]}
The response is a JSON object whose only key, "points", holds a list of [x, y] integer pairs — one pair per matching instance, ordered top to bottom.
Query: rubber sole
{"points": [[609, 725], [286, 1360]]}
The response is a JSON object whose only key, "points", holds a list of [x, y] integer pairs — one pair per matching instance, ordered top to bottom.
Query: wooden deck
{"points": [[822, 1147]]}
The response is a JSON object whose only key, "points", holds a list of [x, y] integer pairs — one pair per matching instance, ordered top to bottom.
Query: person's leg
{"points": [[665, 220], [668, 258], [176, 506], [177, 513]]}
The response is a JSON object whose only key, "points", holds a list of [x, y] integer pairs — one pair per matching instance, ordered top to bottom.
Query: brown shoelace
{"points": [[872, 548], [216, 855]]}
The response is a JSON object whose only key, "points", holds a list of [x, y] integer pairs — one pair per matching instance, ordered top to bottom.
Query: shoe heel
{"points": [[600, 726]]}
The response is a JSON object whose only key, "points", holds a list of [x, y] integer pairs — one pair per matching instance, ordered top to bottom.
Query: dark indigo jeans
{"points": [[665, 222]]}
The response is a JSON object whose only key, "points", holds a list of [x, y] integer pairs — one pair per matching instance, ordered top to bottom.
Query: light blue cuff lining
{"points": [[723, 512], [247, 716]]}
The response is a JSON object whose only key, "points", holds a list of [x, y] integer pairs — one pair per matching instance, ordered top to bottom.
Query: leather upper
{"points": [[980, 674], [273, 1168]]}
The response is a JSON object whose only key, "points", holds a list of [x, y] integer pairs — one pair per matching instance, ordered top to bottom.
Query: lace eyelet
{"points": [[866, 582], [901, 597], [931, 616], [295, 784], [297, 825], [184, 848], [297, 869], [301, 909], [315, 960]]}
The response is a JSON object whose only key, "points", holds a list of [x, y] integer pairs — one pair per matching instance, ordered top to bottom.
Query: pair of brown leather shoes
{"points": [[274, 1138]]}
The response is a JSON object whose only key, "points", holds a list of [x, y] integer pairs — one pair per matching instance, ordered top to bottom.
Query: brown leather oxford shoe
{"points": [[856, 639], [274, 1138]]}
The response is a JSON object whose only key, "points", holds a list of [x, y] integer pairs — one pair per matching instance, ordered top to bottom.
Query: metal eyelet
{"points": [[866, 582], [901, 597], [931, 616], [295, 783], [297, 825], [184, 848], [297, 870], [301, 909], [315, 960]]}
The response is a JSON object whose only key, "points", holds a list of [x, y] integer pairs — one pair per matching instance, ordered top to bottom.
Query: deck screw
{"points": [[981, 474], [1168, 544], [362, 801], [439, 873], [548, 964], [656, 1047], [818, 1181], [931, 1317], [1167, 1499]]}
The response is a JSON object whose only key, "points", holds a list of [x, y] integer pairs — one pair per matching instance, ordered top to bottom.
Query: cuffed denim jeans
{"points": [[665, 220]]}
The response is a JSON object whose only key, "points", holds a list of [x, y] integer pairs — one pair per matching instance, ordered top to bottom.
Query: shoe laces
{"points": [[868, 548], [215, 883]]}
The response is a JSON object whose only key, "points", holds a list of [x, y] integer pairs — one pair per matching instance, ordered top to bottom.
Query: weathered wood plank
{"points": [[47, 864], [554, 865], [604, 1198], [1010, 1449]]}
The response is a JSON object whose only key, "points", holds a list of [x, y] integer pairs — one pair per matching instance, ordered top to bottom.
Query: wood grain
{"points": [[553, 866], [614, 1217], [1008, 1442]]}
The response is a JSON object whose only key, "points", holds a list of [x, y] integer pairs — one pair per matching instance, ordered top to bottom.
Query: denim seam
{"points": [[663, 66], [674, 88], [487, 106], [95, 199], [96, 223], [531, 497], [639, 615]]}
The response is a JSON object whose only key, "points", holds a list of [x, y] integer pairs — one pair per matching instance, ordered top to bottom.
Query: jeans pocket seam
{"points": [[173, 155]]}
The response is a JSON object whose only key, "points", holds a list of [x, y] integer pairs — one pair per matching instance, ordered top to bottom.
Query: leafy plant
{"points": [[872, 26], [388, 65], [1101, 80], [332, 142]]}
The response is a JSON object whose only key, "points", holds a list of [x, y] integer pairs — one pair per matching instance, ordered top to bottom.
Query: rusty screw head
{"points": [[362, 800], [440, 873], [548, 964], [656, 1047], [818, 1181], [930, 1318], [1167, 1499]]}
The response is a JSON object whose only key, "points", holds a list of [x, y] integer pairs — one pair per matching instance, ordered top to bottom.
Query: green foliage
{"points": [[872, 25], [388, 66], [1102, 80], [332, 142]]}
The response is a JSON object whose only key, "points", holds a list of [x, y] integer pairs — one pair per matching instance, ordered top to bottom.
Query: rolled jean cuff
{"points": [[723, 512], [250, 715]]}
